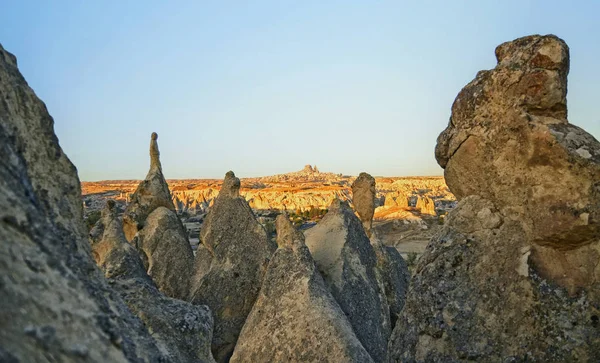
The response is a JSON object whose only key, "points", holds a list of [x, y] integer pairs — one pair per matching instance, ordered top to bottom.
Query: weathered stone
{"points": [[509, 133], [152, 193], [363, 198], [396, 199], [426, 205], [166, 252], [347, 261], [230, 265], [514, 274], [394, 275], [475, 295], [55, 304], [295, 318], [183, 332]]}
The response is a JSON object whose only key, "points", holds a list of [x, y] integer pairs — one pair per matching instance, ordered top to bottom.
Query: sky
{"points": [[265, 87]]}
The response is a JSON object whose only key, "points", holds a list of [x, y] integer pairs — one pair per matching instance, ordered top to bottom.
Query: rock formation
{"points": [[509, 132], [152, 193], [363, 198], [396, 199], [425, 205], [166, 252], [345, 258], [230, 265], [514, 273], [394, 275], [55, 304], [295, 318], [183, 332]]}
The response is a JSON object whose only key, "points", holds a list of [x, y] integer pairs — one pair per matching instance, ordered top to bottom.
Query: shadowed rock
{"points": [[152, 193], [363, 198], [166, 252], [345, 258], [230, 265], [514, 273], [394, 275], [55, 304], [295, 318], [183, 332]]}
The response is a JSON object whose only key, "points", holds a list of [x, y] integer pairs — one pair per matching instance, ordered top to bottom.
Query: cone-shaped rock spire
{"points": [[152, 193], [295, 318]]}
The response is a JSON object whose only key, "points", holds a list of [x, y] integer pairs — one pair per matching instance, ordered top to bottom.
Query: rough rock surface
{"points": [[509, 133], [152, 193], [363, 198], [396, 199], [426, 205], [166, 252], [347, 261], [230, 265], [514, 273], [394, 275], [475, 296], [55, 304], [295, 318], [183, 332]]}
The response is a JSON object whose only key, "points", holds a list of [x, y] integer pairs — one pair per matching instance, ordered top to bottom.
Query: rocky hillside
{"points": [[292, 191]]}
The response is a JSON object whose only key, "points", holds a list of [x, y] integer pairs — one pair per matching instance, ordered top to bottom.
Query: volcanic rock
{"points": [[509, 133], [152, 193], [363, 198], [396, 199], [426, 205], [166, 252], [347, 261], [230, 265], [514, 273], [394, 275], [55, 304], [295, 318], [183, 332]]}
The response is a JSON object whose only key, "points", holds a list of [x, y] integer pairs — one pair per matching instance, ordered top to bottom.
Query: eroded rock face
{"points": [[509, 141], [152, 193], [363, 198], [396, 199], [426, 205], [166, 252], [345, 258], [230, 265], [394, 275], [513, 275], [474, 295], [55, 304], [295, 318], [183, 332]]}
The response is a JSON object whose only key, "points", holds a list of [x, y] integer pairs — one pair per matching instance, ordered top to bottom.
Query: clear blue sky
{"points": [[264, 87]]}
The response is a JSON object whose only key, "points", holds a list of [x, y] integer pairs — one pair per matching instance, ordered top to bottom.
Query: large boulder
{"points": [[509, 133], [150, 194], [363, 198], [166, 252], [348, 263], [230, 265], [514, 273], [55, 304], [295, 318], [183, 332]]}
